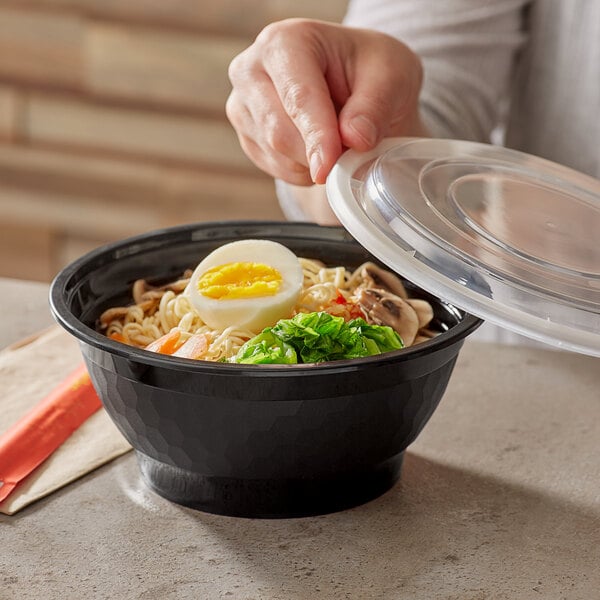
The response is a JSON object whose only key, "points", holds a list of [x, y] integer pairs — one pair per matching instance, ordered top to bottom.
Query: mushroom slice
{"points": [[376, 277], [142, 290], [383, 308], [423, 309], [120, 312], [111, 314], [424, 335]]}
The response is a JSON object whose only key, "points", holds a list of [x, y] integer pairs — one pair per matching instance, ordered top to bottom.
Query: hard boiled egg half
{"points": [[248, 284]]}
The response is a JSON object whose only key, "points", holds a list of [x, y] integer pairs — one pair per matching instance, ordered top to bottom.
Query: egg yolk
{"points": [[240, 280]]}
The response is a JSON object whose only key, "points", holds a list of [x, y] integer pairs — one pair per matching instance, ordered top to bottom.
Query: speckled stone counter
{"points": [[499, 499]]}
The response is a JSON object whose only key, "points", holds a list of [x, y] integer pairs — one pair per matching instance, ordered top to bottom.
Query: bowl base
{"points": [[269, 498]]}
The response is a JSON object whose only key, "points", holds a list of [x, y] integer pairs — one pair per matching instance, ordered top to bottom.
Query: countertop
{"points": [[499, 499]]}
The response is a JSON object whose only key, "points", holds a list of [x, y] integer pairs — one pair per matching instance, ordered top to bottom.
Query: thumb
{"points": [[384, 97]]}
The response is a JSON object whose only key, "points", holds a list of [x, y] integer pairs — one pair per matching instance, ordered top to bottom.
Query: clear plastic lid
{"points": [[506, 236]]}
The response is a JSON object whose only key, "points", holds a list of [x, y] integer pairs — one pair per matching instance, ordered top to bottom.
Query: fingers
{"points": [[297, 68], [281, 106], [266, 134], [278, 165]]}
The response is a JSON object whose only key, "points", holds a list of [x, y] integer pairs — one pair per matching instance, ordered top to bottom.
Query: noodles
{"points": [[321, 285], [160, 309]]}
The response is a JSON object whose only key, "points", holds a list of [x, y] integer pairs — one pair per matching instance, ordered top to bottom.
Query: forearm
{"points": [[305, 203]]}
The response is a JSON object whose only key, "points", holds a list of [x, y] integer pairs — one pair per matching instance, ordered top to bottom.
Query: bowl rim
{"points": [[63, 315]]}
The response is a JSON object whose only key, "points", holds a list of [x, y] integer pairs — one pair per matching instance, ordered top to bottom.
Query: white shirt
{"points": [[532, 66]]}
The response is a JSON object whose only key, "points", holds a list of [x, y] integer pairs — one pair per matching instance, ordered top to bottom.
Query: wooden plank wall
{"points": [[112, 121]]}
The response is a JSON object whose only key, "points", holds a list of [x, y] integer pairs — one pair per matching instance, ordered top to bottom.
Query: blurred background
{"points": [[112, 121]]}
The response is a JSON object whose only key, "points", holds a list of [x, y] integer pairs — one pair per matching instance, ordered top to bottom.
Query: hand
{"points": [[305, 90]]}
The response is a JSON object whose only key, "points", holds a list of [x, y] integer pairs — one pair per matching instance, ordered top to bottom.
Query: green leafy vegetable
{"points": [[317, 337], [266, 348]]}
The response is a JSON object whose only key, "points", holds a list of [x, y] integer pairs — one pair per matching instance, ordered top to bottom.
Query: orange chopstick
{"points": [[34, 437]]}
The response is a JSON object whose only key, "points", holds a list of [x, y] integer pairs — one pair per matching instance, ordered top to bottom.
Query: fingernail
{"points": [[365, 129], [314, 165]]}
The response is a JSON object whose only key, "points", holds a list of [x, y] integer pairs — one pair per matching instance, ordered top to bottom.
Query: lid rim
{"points": [[569, 335]]}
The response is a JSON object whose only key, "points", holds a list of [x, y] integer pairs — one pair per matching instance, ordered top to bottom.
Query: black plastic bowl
{"points": [[247, 440]]}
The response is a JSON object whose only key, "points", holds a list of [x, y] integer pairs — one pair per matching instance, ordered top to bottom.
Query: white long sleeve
{"points": [[467, 48]]}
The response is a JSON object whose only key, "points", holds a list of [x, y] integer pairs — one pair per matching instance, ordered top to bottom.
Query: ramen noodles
{"points": [[244, 288]]}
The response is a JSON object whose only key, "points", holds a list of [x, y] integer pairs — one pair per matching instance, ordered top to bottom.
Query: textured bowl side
{"points": [[276, 455]]}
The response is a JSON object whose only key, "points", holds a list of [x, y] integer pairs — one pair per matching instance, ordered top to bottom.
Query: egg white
{"points": [[256, 313]]}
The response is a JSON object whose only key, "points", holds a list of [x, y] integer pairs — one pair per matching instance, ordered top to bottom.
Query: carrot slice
{"points": [[168, 343], [195, 347]]}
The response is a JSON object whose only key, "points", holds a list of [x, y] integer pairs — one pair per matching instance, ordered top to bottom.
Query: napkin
{"points": [[29, 370]]}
